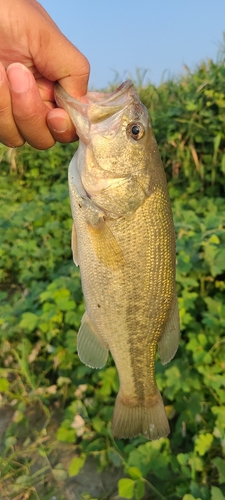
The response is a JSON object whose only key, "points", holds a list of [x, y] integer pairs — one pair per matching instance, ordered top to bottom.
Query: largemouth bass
{"points": [[123, 240]]}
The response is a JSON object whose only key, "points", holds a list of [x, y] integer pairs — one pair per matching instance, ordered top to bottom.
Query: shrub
{"points": [[52, 401]]}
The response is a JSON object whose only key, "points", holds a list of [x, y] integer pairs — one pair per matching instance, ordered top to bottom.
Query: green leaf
{"points": [[217, 140], [223, 164], [214, 239], [219, 261], [41, 306], [29, 321], [4, 385], [98, 425], [219, 429], [66, 435], [10, 441], [203, 443], [96, 445], [153, 456], [115, 457], [183, 458], [196, 463], [76, 464], [220, 464], [134, 472], [59, 474], [23, 479], [126, 488], [139, 489], [199, 491], [216, 494], [190, 497]]}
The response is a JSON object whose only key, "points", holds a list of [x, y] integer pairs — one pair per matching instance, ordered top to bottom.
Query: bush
{"points": [[52, 401]]}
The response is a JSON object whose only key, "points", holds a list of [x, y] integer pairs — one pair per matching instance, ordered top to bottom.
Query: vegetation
{"points": [[55, 413]]}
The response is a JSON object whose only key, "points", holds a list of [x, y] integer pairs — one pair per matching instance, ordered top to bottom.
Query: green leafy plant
{"points": [[55, 412]]}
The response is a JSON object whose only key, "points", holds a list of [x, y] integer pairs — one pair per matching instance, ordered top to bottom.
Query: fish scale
{"points": [[124, 242]]}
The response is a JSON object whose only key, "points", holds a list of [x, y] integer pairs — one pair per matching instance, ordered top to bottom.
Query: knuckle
{"points": [[86, 67], [5, 112], [9, 133], [65, 137], [14, 142], [41, 143]]}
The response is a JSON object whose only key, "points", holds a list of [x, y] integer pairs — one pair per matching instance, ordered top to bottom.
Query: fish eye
{"points": [[135, 131]]}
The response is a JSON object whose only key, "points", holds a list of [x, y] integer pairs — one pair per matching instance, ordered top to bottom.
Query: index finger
{"points": [[56, 58]]}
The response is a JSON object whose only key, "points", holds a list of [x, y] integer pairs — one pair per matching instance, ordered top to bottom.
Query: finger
{"points": [[56, 58], [46, 89], [29, 111], [58, 121], [61, 126], [9, 133]]}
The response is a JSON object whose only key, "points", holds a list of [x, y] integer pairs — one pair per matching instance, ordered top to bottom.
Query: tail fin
{"points": [[151, 421]]}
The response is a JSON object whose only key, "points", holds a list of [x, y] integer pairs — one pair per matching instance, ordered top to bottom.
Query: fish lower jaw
{"points": [[148, 418]]}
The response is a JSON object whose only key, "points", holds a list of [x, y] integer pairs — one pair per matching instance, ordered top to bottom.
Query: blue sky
{"points": [[159, 36]]}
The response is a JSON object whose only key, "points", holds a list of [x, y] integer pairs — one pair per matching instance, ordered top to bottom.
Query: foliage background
{"points": [[55, 412]]}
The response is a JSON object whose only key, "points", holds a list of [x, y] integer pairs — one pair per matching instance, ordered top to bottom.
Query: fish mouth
{"points": [[118, 96], [95, 107]]}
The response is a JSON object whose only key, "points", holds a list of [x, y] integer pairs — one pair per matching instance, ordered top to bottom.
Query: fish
{"points": [[123, 240]]}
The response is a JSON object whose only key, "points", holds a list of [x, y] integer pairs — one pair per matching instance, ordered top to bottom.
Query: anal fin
{"points": [[168, 344], [91, 349]]}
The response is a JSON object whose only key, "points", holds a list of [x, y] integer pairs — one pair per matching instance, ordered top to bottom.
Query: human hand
{"points": [[33, 55]]}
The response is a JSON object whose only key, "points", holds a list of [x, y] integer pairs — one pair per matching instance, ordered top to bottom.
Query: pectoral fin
{"points": [[74, 245], [106, 246], [168, 344], [91, 349]]}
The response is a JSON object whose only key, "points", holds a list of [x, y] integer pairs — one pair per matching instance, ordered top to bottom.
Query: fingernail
{"points": [[19, 77], [59, 124]]}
